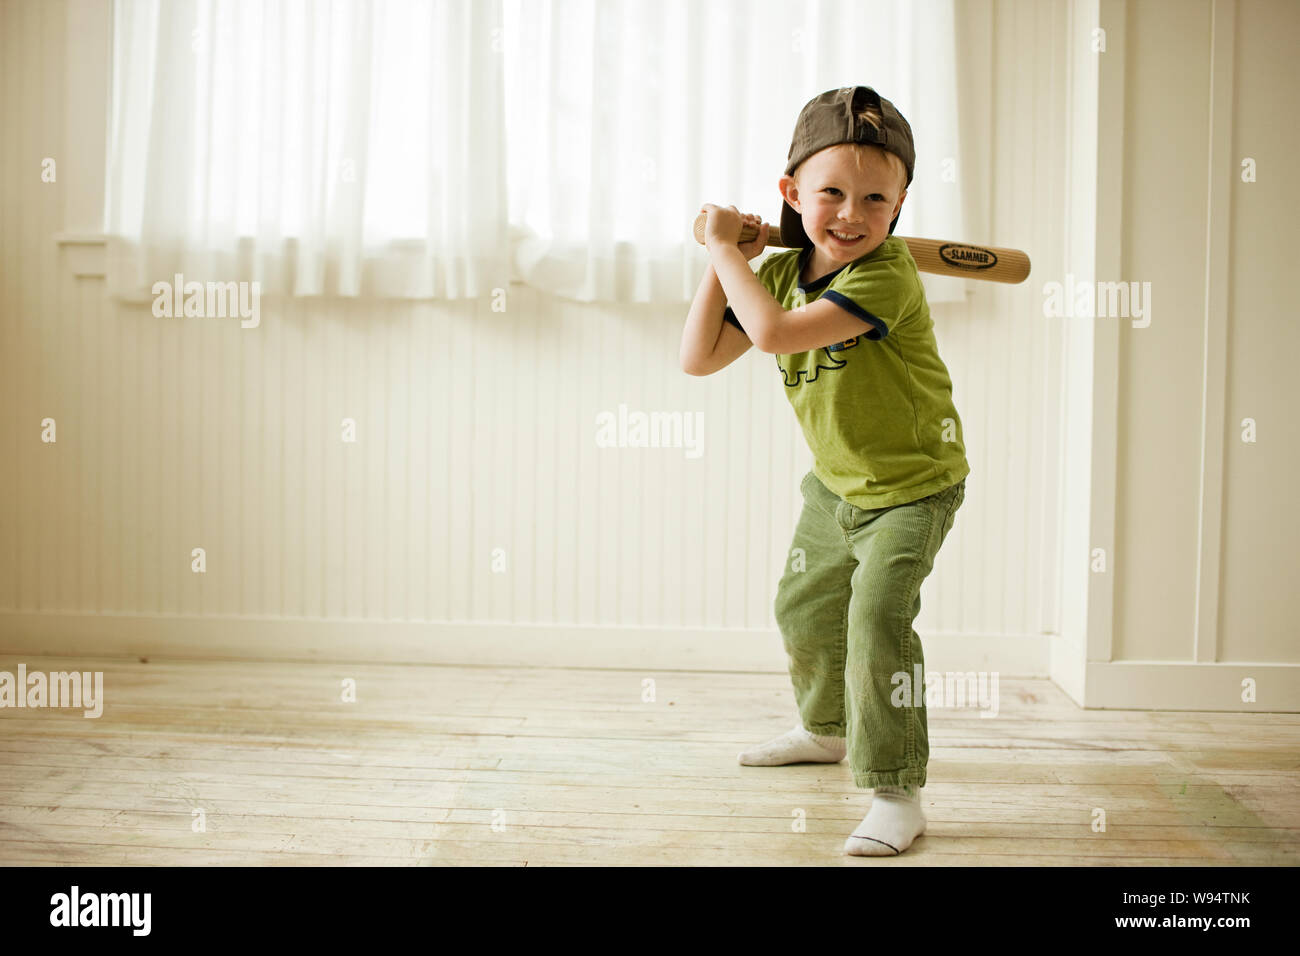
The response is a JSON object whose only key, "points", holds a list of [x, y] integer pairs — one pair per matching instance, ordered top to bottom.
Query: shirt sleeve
{"points": [[881, 290], [728, 315]]}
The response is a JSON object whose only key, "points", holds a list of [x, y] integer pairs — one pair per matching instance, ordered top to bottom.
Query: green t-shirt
{"points": [[877, 409]]}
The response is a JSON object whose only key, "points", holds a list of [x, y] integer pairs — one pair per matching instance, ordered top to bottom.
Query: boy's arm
{"points": [[755, 308], [772, 328], [708, 342]]}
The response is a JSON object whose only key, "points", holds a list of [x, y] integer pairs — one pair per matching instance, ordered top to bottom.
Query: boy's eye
{"points": [[874, 196]]}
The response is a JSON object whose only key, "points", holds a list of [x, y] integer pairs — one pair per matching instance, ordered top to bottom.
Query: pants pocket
{"points": [[803, 485]]}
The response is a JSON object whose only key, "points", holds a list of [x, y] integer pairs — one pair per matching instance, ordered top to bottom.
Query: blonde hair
{"points": [[859, 151]]}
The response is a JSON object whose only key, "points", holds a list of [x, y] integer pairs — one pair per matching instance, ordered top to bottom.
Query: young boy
{"points": [[847, 320]]}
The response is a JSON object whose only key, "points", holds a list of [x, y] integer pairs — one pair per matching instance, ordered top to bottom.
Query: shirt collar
{"points": [[817, 284]]}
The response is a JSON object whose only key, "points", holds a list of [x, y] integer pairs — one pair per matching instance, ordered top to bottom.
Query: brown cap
{"points": [[838, 116]]}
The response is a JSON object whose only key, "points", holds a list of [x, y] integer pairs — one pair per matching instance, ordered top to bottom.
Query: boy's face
{"points": [[833, 195]]}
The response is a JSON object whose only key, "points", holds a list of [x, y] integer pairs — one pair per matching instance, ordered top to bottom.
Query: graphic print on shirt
{"points": [[804, 376]]}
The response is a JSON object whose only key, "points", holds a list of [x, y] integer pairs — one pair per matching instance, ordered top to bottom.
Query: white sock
{"points": [[795, 746], [893, 822]]}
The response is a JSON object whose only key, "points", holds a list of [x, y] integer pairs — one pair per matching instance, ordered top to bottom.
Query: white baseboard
{"points": [[472, 644], [1128, 685], [1191, 685]]}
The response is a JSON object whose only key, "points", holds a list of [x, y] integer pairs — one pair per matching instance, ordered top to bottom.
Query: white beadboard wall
{"points": [[476, 444]]}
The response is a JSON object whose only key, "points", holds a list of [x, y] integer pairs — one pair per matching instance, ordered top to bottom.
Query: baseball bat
{"points": [[932, 255]]}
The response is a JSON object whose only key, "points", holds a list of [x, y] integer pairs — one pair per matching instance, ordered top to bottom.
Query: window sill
{"points": [[84, 252]]}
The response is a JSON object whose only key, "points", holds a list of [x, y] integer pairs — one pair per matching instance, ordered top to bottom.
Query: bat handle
{"points": [[747, 232]]}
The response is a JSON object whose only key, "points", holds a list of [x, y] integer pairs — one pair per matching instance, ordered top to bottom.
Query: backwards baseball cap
{"points": [[840, 116]]}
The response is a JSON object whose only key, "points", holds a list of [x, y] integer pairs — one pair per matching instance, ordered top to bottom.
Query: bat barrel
{"points": [[966, 259]]}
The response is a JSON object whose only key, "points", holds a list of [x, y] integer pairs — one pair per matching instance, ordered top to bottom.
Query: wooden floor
{"points": [[573, 768]]}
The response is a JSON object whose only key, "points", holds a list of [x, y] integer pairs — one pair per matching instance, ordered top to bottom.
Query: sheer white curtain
{"points": [[623, 117], [322, 148], [436, 148]]}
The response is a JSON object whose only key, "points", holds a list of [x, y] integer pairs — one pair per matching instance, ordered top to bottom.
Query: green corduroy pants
{"points": [[849, 593]]}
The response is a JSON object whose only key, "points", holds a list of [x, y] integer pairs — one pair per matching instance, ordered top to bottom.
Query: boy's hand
{"points": [[723, 226]]}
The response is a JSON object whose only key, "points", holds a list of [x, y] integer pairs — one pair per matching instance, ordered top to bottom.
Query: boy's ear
{"points": [[789, 191], [899, 205]]}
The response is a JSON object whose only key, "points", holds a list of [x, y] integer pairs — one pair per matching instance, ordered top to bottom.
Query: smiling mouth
{"points": [[847, 238]]}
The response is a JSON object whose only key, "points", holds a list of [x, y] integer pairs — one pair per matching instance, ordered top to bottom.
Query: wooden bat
{"points": [[931, 255]]}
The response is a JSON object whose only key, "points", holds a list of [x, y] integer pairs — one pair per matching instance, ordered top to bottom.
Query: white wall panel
{"points": [[476, 430]]}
